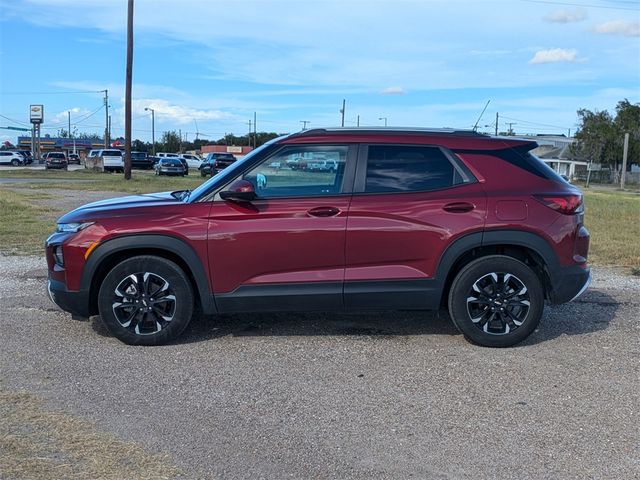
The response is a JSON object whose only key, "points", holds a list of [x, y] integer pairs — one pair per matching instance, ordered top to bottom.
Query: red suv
{"points": [[410, 219]]}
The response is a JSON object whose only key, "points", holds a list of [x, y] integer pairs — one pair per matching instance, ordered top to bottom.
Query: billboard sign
{"points": [[36, 113]]}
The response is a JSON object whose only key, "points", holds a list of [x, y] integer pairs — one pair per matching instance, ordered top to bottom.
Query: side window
{"points": [[406, 168], [300, 171]]}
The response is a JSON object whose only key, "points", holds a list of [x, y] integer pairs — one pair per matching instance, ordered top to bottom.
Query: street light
{"points": [[385, 120], [153, 129]]}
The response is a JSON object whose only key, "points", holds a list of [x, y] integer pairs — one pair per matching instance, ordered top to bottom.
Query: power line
{"points": [[533, 123]]}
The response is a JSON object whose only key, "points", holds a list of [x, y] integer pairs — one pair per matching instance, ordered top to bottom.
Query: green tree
{"points": [[600, 136], [170, 141]]}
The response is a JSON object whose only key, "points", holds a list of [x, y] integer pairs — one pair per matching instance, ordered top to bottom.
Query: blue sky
{"points": [[417, 63]]}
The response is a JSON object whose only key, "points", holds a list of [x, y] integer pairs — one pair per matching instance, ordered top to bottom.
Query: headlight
{"points": [[72, 227]]}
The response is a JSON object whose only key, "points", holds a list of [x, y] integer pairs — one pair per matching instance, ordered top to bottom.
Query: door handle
{"points": [[458, 207], [324, 211]]}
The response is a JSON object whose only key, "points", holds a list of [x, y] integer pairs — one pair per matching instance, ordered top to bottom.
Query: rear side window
{"points": [[407, 168]]}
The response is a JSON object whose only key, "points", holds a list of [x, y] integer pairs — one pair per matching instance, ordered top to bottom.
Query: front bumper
{"points": [[569, 283], [76, 303]]}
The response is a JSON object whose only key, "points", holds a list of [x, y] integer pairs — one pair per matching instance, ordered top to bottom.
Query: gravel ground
{"points": [[384, 395]]}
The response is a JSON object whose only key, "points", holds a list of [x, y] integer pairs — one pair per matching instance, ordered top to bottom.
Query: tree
{"points": [[62, 133], [600, 136], [170, 141]]}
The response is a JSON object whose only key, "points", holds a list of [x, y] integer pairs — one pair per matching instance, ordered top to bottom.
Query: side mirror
{"points": [[240, 190]]}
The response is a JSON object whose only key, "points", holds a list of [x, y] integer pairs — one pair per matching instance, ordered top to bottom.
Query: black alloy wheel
{"points": [[146, 300], [496, 301]]}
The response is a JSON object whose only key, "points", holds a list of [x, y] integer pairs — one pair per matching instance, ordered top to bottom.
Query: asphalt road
{"points": [[383, 395]]}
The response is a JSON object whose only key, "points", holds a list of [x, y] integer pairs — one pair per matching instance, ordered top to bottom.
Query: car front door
{"points": [[284, 250]]}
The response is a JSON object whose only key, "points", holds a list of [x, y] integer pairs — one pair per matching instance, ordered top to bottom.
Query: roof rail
{"points": [[393, 130]]}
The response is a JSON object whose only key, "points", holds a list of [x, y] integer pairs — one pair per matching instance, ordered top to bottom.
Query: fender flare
{"points": [[168, 243]]}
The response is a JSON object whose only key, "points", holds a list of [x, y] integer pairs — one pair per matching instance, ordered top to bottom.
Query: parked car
{"points": [[167, 155], [27, 157], [11, 158], [74, 158], [112, 159], [55, 160], [142, 160], [193, 161], [215, 162], [169, 166], [323, 166], [412, 219]]}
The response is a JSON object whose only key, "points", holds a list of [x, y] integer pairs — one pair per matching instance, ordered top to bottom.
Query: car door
{"points": [[409, 203], [285, 250]]}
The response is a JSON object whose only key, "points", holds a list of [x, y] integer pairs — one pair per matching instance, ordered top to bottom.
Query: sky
{"points": [[206, 66]]}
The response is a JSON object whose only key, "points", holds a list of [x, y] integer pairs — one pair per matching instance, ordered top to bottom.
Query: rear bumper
{"points": [[569, 283], [76, 303]]}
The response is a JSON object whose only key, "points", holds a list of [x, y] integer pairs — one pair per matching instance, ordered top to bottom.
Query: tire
{"points": [[15, 162], [202, 174], [496, 301], [128, 309]]}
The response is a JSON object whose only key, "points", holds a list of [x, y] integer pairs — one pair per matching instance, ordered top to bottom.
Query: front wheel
{"points": [[146, 300], [496, 301]]}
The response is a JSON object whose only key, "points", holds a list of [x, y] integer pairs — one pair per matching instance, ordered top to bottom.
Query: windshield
{"points": [[112, 153], [138, 155], [204, 189]]}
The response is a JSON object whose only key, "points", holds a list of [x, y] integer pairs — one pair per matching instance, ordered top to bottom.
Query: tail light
{"points": [[565, 204]]}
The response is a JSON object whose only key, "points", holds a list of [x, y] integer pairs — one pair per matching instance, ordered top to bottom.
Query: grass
{"points": [[141, 182], [613, 219], [24, 223], [37, 443]]}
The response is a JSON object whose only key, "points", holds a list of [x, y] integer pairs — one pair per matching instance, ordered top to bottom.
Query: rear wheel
{"points": [[15, 162], [146, 300], [496, 301]]}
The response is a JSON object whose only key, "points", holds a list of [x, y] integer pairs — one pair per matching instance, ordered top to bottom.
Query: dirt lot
{"points": [[382, 395]]}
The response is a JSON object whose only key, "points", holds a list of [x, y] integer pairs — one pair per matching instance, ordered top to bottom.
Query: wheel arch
{"points": [[529, 248], [113, 251]]}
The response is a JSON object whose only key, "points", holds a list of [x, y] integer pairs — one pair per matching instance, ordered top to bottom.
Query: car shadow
{"points": [[591, 313], [379, 324]]}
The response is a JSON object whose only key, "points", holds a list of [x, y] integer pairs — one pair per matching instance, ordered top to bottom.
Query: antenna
{"points": [[475, 127]]}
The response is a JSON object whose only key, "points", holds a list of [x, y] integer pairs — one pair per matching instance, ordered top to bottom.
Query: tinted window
{"points": [[112, 153], [408, 169], [300, 171]]}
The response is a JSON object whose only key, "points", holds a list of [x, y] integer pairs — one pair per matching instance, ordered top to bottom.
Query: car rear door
{"points": [[409, 203], [285, 250]]}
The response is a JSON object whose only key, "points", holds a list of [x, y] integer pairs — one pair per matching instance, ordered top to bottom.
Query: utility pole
{"points": [[127, 94], [342, 110], [106, 118], [497, 120], [358, 121], [304, 124], [153, 129], [255, 130], [69, 131], [510, 131], [109, 132], [249, 135], [180, 145], [625, 151]]}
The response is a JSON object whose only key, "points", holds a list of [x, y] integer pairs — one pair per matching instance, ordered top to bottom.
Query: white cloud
{"points": [[566, 16], [619, 27], [555, 55], [393, 91], [179, 114]]}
